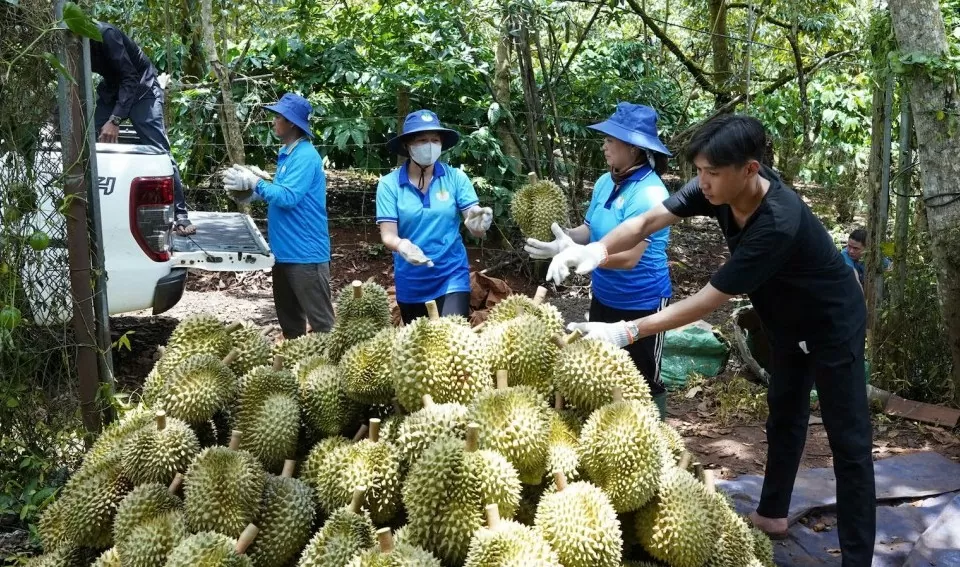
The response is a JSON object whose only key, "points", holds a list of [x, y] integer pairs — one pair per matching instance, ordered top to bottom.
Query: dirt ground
{"points": [[735, 446]]}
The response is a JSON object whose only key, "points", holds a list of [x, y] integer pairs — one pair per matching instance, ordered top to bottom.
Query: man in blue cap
{"points": [[296, 220]]}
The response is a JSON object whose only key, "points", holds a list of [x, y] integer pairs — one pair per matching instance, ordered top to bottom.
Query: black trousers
{"points": [[301, 294], [450, 304], [646, 353], [838, 372]]}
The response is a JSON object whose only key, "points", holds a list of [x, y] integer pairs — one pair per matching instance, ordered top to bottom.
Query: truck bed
{"points": [[221, 232]]}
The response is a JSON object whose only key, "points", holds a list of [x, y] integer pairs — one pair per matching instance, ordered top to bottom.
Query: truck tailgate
{"points": [[223, 242]]}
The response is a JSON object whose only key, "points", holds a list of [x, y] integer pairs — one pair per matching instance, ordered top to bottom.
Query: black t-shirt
{"points": [[785, 261]]}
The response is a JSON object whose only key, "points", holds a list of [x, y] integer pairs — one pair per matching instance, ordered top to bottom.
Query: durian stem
{"points": [[532, 177], [357, 289], [540, 295], [432, 310], [233, 327], [479, 327], [573, 337], [559, 340], [231, 356], [278, 362], [502, 379], [617, 394], [427, 400], [558, 401], [161, 420], [375, 429], [361, 433], [473, 437], [235, 439], [685, 459], [288, 467], [698, 470], [560, 479], [708, 481], [175, 484], [356, 501], [493, 516], [246, 538], [385, 539]]}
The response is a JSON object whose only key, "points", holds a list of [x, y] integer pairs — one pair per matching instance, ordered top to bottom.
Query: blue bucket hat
{"points": [[296, 109], [422, 121], [634, 124]]}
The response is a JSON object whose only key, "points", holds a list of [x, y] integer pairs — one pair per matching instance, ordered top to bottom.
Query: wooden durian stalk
{"points": [[532, 177], [357, 288], [540, 295], [432, 310], [233, 327], [479, 328], [563, 341], [231, 356], [278, 362], [502, 382], [427, 400], [558, 401], [161, 419], [374, 430], [361, 433], [473, 437], [235, 439], [685, 459], [289, 466], [560, 480], [708, 481], [175, 484], [356, 501], [493, 516], [246, 538], [385, 539]]}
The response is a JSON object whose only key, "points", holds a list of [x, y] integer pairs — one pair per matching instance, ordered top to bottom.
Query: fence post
{"points": [[75, 170]]}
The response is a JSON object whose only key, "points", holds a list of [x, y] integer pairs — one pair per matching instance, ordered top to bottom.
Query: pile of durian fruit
{"points": [[435, 444]]}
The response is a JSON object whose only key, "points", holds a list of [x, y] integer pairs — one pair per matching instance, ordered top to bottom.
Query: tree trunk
{"points": [[919, 28], [722, 69], [192, 70], [501, 92], [530, 95], [403, 109], [229, 123], [902, 227]]}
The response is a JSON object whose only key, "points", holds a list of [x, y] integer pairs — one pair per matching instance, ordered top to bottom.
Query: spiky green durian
{"points": [[536, 206], [368, 300], [518, 305], [349, 333], [200, 334], [523, 348], [253, 349], [295, 350], [435, 355], [306, 365], [366, 370], [587, 370], [153, 386], [198, 387], [326, 408], [268, 414], [515, 422], [421, 428], [390, 429], [216, 430], [674, 441], [110, 445], [563, 448], [623, 452], [157, 453], [318, 458], [447, 489], [222, 490], [142, 504], [287, 511], [581, 525], [681, 525], [344, 535], [734, 542], [150, 543], [505, 543], [762, 547], [208, 549], [394, 553], [69, 556], [109, 558], [641, 564]]}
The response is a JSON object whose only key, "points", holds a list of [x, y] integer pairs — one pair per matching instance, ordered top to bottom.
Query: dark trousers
{"points": [[146, 115], [301, 294], [450, 304], [648, 351], [838, 373]]}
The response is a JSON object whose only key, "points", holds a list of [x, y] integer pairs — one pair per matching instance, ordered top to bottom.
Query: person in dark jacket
{"points": [[130, 91]]}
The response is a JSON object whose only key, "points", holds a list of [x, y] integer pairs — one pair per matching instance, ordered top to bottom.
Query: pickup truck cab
{"points": [[146, 264]]}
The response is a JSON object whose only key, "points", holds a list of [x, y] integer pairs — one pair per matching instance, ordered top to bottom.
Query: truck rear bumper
{"points": [[169, 290]]}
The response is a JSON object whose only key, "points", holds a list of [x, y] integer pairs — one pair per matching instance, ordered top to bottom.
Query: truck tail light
{"points": [[151, 215]]}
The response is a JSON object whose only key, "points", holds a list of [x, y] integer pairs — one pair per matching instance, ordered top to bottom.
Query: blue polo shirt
{"points": [[297, 211], [431, 220], [858, 265], [642, 287]]}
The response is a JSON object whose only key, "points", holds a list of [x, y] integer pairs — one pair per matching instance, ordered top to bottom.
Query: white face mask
{"points": [[425, 154]]}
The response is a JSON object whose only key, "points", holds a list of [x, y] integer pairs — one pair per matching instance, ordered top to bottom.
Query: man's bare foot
{"points": [[184, 227], [775, 528]]}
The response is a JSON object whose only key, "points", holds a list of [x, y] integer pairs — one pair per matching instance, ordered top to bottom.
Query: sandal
{"points": [[184, 227]]}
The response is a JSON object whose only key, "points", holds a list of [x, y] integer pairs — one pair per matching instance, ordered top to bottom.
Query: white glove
{"points": [[259, 172], [239, 178], [479, 219], [540, 250], [412, 253], [584, 259], [613, 333]]}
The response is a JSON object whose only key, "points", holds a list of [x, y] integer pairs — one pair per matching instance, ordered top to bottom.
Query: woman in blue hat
{"points": [[419, 209], [635, 283]]}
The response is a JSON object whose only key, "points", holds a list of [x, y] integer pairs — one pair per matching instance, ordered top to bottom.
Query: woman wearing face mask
{"points": [[419, 209], [635, 283]]}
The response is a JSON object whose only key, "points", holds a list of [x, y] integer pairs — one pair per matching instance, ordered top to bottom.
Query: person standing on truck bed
{"points": [[130, 90], [296, 220]]}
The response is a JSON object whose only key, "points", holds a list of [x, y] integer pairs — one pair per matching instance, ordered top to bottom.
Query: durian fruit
{"points": [[536, 206], [364, 300], [518, 305], [200, 334], [346, 334], [522, 346], [254, 349], [295, 350], [439, 357], [306, 365], [366, 370], [587, 370], [198, 387], [326, 408], [268, 414], [515, 422], [390, 428], [422, 428], [216, 430], [112, 442], [675, 444], [563, 447], [623, 452], [155, 454], [318, 459], [370, 462], [222, 489], [447, 489], [144, 503], [286, 517], [580, 524], [681, 525], [344, 535], [735, 542], [150, 543], [503, 543], [762, 547], [212, 549], [392, 553], [68, 556], [109, 558]]}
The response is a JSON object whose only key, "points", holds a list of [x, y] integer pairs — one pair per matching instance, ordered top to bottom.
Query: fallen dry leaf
{"points": [[692, 392]]}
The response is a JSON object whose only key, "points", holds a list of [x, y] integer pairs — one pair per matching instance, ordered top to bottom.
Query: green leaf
{"points": [[80, 23], [54, 62], [494, 113], [13, 402]]}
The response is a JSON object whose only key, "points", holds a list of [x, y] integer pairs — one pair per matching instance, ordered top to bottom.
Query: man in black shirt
{"points": [[129, 90], [807, 298]]}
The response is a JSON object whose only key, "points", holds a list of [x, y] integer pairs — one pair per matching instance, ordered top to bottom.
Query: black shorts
{"points": [[457, 303], [648, 351]]}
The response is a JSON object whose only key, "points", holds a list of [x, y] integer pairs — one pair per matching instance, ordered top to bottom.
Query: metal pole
{"points": [[75, 170]]}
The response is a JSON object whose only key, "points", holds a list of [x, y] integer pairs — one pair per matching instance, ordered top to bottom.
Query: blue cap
{"points": [[296, 109], [422, 121], [634, 124]]}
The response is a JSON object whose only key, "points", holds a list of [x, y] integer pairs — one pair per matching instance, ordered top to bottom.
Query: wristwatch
{"points": [[116, 120], [633, 331]]}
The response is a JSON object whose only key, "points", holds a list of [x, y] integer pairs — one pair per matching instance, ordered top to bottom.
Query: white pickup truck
{"points": [[146, 264]]}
